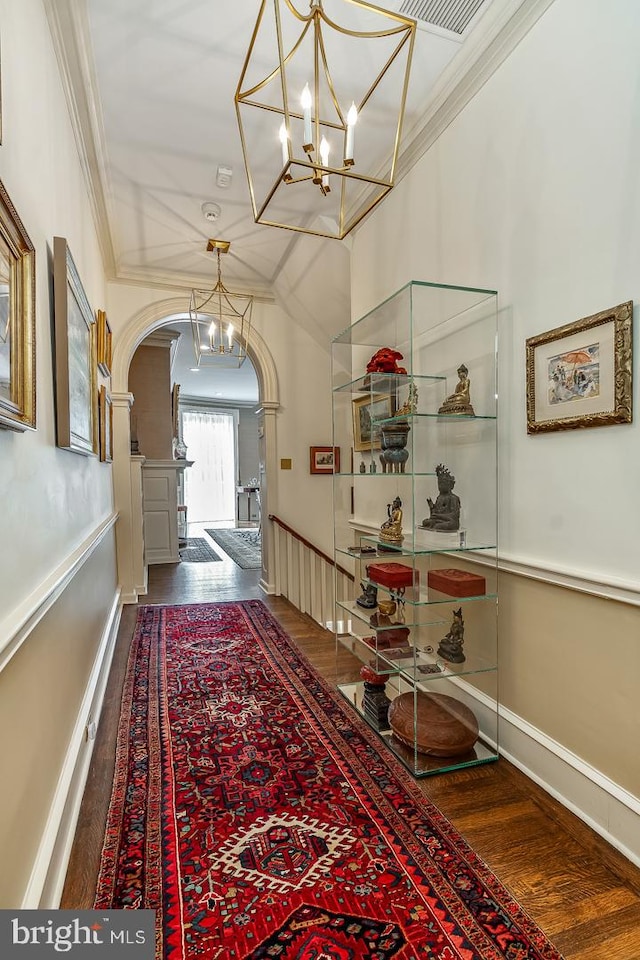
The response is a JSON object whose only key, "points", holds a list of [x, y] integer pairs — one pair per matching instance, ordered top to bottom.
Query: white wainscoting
{"points": [[307, 582]]}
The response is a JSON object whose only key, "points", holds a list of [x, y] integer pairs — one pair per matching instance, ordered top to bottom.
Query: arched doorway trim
{"points": [[159, 314], [129, 527]]}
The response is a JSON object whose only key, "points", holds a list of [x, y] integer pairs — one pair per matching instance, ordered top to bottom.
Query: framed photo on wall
{"points": [[17, 321], [103, 343], [75, 357], [580, 375], [175, 410], [366, 411], [105, 420], [324, 459]]}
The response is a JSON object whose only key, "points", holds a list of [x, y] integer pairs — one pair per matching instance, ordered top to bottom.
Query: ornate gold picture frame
{"points": [[17, 321], [103, 343], [75, 357], [580, 375], [105, 419], [367, 434]]}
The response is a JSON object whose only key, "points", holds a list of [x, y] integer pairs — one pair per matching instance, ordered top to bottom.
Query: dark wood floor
{"points": [[580, 891]]}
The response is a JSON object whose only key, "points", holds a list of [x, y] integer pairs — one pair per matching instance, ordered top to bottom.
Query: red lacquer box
{"points": [[394, 576], [456, 583]]}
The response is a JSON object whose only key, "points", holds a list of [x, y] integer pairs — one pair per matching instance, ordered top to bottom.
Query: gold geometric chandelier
{"points": [[320, 107], [220, 320]]}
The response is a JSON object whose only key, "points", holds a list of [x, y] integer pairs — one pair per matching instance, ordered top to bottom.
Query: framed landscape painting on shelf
{"points": [[75, 357], [580, 374], [366, 411]]}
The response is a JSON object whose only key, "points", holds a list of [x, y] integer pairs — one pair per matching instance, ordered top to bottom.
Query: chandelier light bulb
{"points": [[352, 119], [325, 150], [212, 330], [230, 335]]}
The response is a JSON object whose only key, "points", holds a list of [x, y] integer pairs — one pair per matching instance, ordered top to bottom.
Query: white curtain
{"points": [[210, 485]]}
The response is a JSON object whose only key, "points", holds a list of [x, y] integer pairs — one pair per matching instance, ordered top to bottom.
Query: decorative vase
{"points": [[394, 441]]}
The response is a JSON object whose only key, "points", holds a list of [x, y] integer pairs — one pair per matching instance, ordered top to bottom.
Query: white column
{"points": [[268, 491], [128, 503]]}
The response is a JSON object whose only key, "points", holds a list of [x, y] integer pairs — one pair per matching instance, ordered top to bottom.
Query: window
{"points": [[210, 487]]}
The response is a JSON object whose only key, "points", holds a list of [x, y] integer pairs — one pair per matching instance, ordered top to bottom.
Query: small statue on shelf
{"points": [[459, 402], [410, 406], [445, 512], [391, 529], [368, 599], [451, 645]]}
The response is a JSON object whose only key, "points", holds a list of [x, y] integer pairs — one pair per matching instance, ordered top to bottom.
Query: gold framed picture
{"points": [[17, 321], [103, 343], [75, 357], [580, 375], [175, 410], [367, 411], [105, 421]]}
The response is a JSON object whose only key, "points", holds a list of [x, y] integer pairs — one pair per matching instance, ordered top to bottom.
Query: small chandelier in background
{"points": [[320, 107], [220, 320]]}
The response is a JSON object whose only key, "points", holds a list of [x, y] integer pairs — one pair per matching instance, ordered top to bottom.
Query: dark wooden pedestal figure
{"points": [[375, 702]]}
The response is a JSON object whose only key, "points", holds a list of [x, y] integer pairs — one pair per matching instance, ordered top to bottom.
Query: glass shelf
{"points": [[446, 339], [414, 661], [419, 764]]}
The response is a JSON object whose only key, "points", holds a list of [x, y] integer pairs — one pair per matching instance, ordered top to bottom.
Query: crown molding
{"points": [[69, 28], [497, 34], [169, 281]]}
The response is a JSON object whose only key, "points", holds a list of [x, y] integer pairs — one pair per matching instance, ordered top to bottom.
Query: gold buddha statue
{"points": [[459, 402], [391, 529]]}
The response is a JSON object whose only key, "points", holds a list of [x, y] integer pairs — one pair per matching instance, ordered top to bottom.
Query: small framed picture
{"points": [[104, 343], [75, 357], [579, 375], [105, 420], [324, 459]]}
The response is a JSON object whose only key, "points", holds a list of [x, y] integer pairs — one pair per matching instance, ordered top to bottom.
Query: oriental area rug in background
{"points": [[242, 545], [261, 818]]}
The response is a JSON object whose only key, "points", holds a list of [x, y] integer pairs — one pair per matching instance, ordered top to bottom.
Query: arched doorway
{"points": [[127, 468]]}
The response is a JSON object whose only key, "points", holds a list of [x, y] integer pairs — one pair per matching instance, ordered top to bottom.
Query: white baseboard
{"points": [[266, 587], [607, 808], [48, 873]]}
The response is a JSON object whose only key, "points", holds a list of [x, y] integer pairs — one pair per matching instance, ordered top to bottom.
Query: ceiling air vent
{"points": [[453, 15]]}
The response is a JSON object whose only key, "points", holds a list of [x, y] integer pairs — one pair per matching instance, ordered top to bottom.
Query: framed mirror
{"points": [[17, 321]]}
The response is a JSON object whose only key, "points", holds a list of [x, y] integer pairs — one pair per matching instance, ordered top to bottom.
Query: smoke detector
{"points": [[224, 177], [211, 211]]}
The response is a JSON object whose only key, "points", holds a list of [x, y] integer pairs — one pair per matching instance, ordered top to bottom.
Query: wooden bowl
{"points": [[445, 727]]}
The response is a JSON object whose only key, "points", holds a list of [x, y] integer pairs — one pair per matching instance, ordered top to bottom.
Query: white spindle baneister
{"points": [[305, 576]]}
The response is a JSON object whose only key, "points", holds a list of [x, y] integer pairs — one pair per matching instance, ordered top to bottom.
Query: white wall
{"points": [[534, 190], [52, 497], [58, 596]]}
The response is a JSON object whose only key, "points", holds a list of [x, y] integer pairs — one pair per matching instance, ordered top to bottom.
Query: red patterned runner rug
{"points": [[261, 818]]}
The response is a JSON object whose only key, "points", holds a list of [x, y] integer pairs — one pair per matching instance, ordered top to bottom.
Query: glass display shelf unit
{"points": [[414, 407]]}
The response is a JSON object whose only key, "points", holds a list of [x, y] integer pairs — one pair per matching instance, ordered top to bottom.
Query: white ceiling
{"points": [[151, 88]]}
